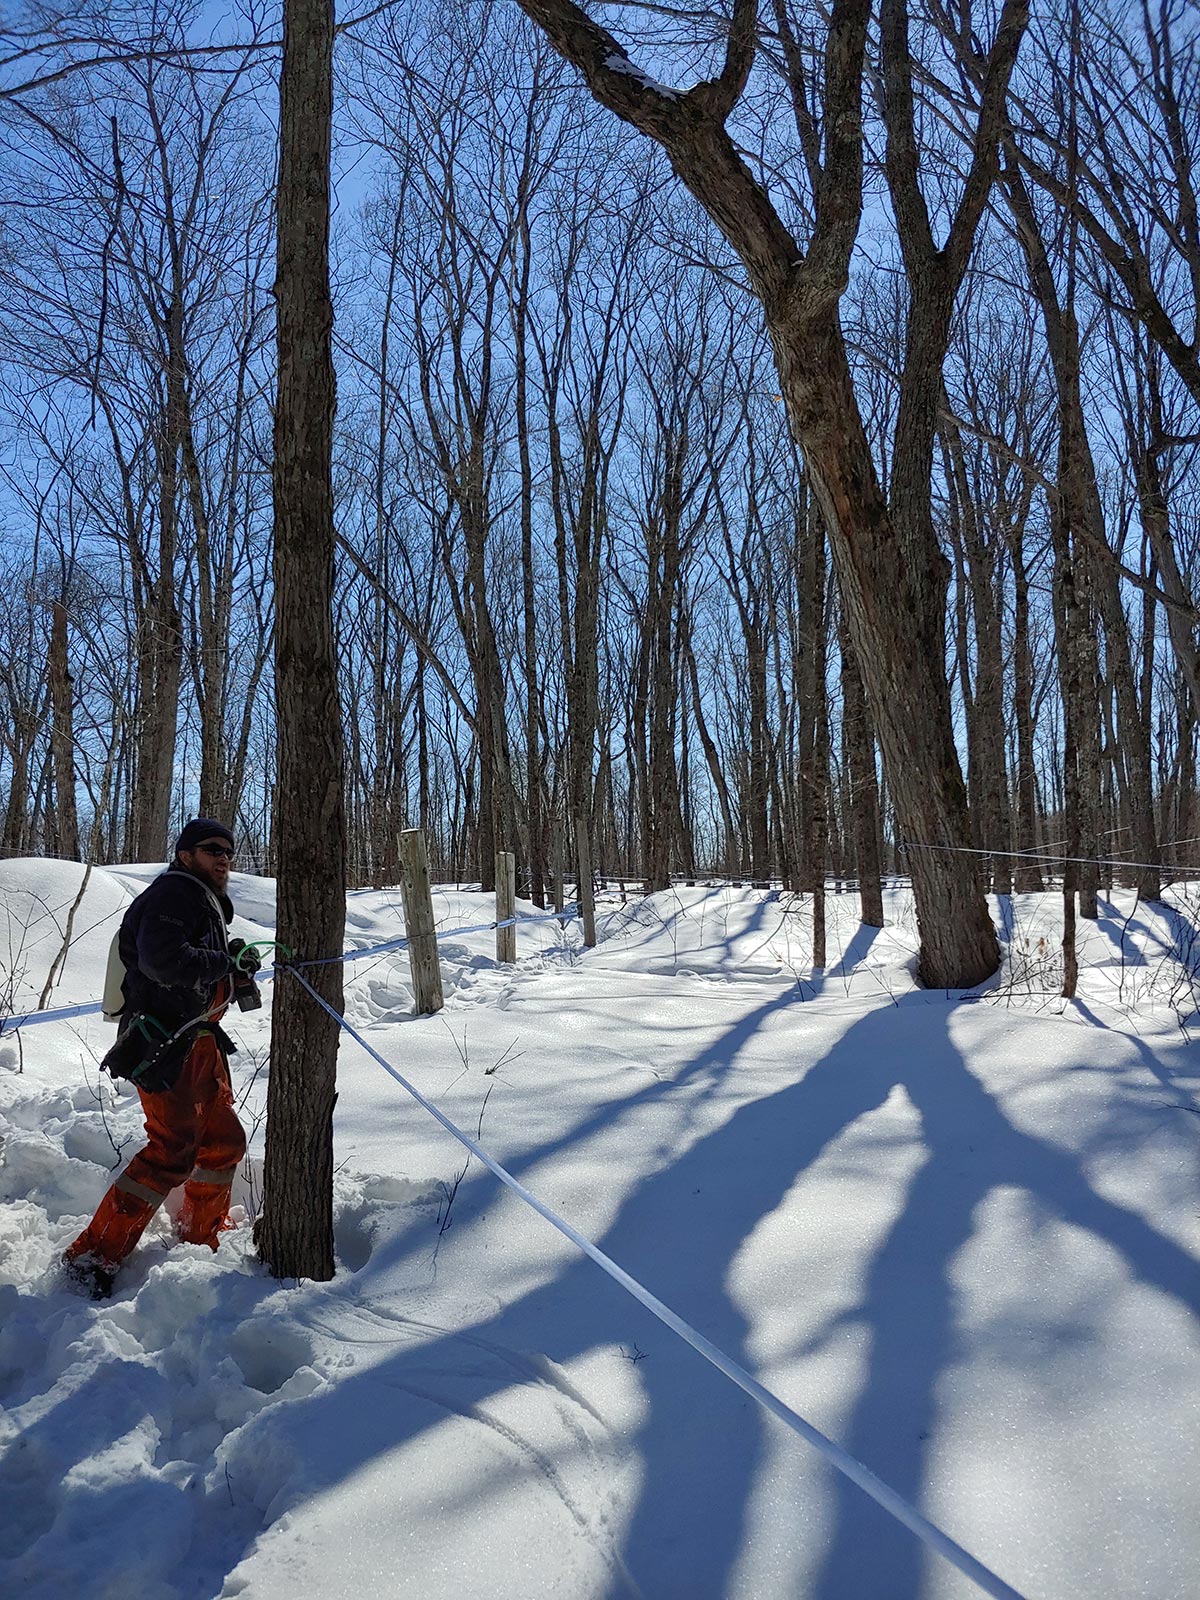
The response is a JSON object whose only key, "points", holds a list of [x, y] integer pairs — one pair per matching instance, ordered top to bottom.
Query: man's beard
{"points": [[207, 875]]}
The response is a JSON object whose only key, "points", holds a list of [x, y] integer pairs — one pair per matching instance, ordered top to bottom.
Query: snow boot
{"points": [[90, 1275]]}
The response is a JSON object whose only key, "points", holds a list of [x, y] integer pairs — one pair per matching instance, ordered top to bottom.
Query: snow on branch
{"points": [[616, 62]]}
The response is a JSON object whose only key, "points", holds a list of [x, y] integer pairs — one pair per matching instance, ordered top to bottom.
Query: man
{"points": [[179, 966]]}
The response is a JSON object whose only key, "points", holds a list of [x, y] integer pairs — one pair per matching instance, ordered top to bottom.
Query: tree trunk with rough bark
{"points": [[1147, 454], [887, 560], [1095, 571], [898, 636], [159, 664], [62, 737], [814, 737], [712, 755], [858, 760], [661, 776], [534, 801], [991, 812], [1027, 874], [294, 1234]]}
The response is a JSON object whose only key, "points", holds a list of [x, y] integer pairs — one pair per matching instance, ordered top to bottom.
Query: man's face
{"points": [[210, 861]]}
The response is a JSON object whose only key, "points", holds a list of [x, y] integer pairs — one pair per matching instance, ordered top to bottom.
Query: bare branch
{"points": [[719, 96], [701, 151]]}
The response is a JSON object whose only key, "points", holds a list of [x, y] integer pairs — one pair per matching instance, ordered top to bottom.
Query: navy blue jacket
{"points": [[174, 947]]}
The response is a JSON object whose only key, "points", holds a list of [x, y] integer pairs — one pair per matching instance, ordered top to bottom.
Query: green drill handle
{"points": [[260, 944]]}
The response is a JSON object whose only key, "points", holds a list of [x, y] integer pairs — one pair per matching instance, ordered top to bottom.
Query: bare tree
{"points": [[889, 567], [294, 1233]]}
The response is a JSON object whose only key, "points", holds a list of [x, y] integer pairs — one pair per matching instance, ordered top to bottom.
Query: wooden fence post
{"points": [[584, 886], [506, 905], [418, 923]]}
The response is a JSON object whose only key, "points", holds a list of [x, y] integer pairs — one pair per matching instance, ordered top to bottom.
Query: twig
{"points": [[60, 959]]}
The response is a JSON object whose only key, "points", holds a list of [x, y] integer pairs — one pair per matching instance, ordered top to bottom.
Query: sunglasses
{"points": [[217, 850]]}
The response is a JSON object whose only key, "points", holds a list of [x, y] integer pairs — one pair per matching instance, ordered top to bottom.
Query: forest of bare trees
{"points": [[766, 440]]}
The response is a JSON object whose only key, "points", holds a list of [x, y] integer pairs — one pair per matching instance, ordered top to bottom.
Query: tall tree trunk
{"points": [[1156, 525], [887, 566], [1095, 567], [213, 595], [897, 626], [1068, 632], [1076, 643], [1084, 643], [159, 654], [962, 663], [421, 713], [62, 737], [814, 737], [21, 743], [660, 754], [712, 756], [858, 757], [784, 764], [1133, 767], [662, 772], [758, 787], [1185, 790], [991, 812], [535, 813], [385, 823], [497, 830], [685, 844], [1028, 875], [294, 1234]]}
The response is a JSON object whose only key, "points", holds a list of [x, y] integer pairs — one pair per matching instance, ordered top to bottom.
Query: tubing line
{"points": [[1037, 855], [405, 939], [31, 1019]]}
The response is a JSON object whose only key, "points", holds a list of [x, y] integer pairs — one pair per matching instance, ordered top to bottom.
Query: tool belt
{"points": [[151, 1055]]}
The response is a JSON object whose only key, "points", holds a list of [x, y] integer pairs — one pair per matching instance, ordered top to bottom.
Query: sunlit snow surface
{"points": [[957, 1233]]}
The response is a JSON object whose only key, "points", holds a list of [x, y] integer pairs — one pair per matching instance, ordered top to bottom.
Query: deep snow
{"points": [[957, 1233]]}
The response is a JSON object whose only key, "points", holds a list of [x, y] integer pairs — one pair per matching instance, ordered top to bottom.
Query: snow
{"points": [[615, 62], [956, 1232]]}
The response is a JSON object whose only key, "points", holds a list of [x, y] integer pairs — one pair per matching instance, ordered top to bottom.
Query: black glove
{"points": [[246, 959]]}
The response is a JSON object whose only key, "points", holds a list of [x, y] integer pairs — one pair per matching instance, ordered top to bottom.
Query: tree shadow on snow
{"points": [[645, 922], [1120, 928], [1155, 1058], [679, 1230], [908, 1307], [701, 1443]]}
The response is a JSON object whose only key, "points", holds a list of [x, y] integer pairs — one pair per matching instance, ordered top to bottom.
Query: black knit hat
{"points": [[202, 828]]}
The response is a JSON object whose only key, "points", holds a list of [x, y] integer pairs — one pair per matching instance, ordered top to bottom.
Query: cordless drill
{"points": [[246, 962]]}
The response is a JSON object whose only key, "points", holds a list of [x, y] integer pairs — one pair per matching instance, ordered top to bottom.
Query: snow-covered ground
{"points": [[959, 1234]]}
